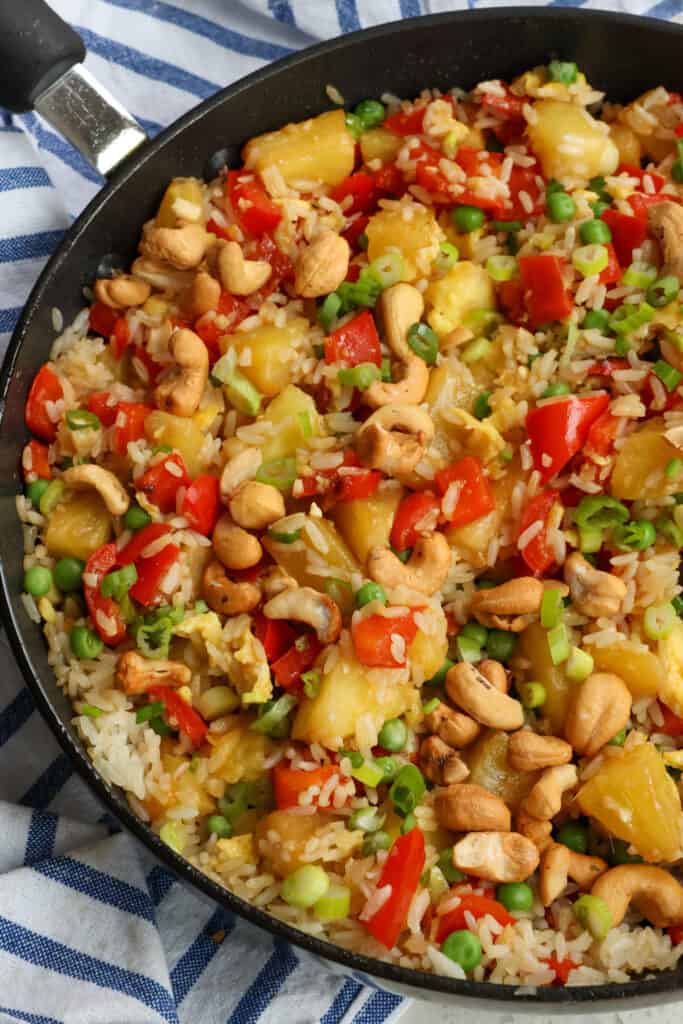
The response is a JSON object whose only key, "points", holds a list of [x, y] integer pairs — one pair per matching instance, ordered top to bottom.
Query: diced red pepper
{"points": [[507, 106], [406, 123], [471, 160], [429, 175], [523, 179], [658, 180], [389, 181], [361, 188], [254, 210], [218, 230], [353, 232], [628, 233], [281, 266], [612, 272], [545, 295], [511, 300], [229, 312], [102, 319], [120, 338], [355, 342], [606, 367], [150, 368], [45, 388], [99, 403], [129, 426], [558, 430], [601, 436], [36, 455], [361, 483], [160, 484], [475, 497], [201, 504], [415, 510], [133, 550], [539, 554], [151, 572], [104, 611], [276, 635], [373, 639], [299, 658], [178, 711], [672, 724], [289, 783], [402, 870], [476, 905], [675, 933], [562, 968]]}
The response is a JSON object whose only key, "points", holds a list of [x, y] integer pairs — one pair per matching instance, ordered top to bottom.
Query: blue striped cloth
{"points": [[90, 929]]}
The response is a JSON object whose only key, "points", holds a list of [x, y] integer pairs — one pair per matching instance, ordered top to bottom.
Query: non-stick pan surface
{"points": [[620, 54]]}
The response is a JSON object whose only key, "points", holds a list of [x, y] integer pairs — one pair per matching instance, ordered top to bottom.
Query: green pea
{"points": [[564, 71], [370, 112], [355, 125], [560, 207], [467, 218], [595, 232], [596, 319], [559, 387], [481, 408], [36, 490], [136, 517], [69, 574], [37, 581], [370, 592], [475, 632], [85, 644], [500, 645], [393, 735], [366, 819], [219, 826], [574, 835], [445, 865], [305, 886], [515, 895], [594, 915], [463, 948]]}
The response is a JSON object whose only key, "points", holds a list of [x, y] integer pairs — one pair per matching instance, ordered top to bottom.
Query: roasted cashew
{"points": [[665, 221], [184, 247], [322, 265], [160, 275], [238, 275], [121, 292], [203, 294], [400, 306], [455, 338], [411, 386], [181, 392], [393, 439], [238, 470], [108, 486], [255, 505], [235, 547], [425, 571], [275, 580], [594, 593], [225, 596], [304, 604], [510, 606], [495, 673], [135, 674], [474, 693], [599, 708], [453, 727], [528, 751], [440, 763], [545, 798], [467, 807], [539, 832], [497, 856], [559, 864], [653, 892]]}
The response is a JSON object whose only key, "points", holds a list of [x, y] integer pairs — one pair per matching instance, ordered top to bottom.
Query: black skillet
{"points": [[622, 55]]}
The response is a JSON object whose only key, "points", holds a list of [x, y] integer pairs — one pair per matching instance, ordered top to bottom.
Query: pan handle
{"points": [[41, 58]]}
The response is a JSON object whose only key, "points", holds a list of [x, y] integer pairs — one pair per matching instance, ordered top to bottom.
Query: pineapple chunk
{"points": [[559, 127], [380, 144], [320, 149], [183, 200], [416, 236], [465, 287], [272, 354], [451, 386], [294, 418], [179, 432], [639, 467], [366, 523], [78, 526], [472, 541], [303, 565], [534, 646], [428, 651], [671, 669], [641, 670], [238, 754], [488, 763], [185, 790], [635, 799], [294, 831], [238, 848]]}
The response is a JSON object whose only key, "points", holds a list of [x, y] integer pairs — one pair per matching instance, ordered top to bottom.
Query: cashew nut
{"points": [[665, 221], [184, 247], [322, 266], [161, 275], [238, 275], [121, 292], [203, 294], [400, 306], [455, 338], [411, 386], [181, 392], [393, 439], [238, 469], [108, 486], [255, 505], [234, 547], [425, 571], [275, 580], [594, 593], [223, 595], [304, 604], [510, 606], [495, 673], [135, 674], [475, 694], [599, 708], [453, 727], [528, 751], [440, 763], [545, 798], [467, 807], [539, 832], [497, 856], [559, 864], [653, 892]]}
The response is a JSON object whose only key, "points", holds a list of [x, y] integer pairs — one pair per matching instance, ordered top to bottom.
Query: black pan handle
{"points": [[41, 59]]}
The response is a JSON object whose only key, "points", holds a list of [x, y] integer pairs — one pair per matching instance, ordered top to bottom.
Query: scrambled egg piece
{"points": [[478, 437], [233, 651], [238, 848]]}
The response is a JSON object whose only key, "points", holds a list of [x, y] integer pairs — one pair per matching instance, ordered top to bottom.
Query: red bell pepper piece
{"points": [[508, 106], [406, 123], [471, 160], [429, 175], [523, 179], [658, 180], [389, 181], [360, 187], [254, 210], [218, 230], [353, 232], [628, 233], [282, 268], [612, 272], [545, 295], [511, 300], [230, 312], [102, 318], [120, 337], [355, 342], [606, 367], [147, 369], [45, 388], [99, 403], [129, 425], [558, 430], [601, 436], [35, 462], [358, 483], [160, 484], [475, 497], [200, 504], [418, 513], [135, 547], [539, 554], [151, 572], [104, 611], [276, 635], [373, 639], [299, 658], [180, 713], [672, 725], [289, 783], [402, 870], [478, 906], [675, 933], [562, 968]]}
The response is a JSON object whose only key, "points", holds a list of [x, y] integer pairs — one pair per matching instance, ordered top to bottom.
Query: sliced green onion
{"points": [[564, 71], [506, 225], [447, 258], [590, 259], [501, 267], [388, 268], [640, 275], [329, 311], [626, 319], [595, 320], [424, 342], [622, 346], [476, 350], [385, 370], [668, 374], [361, 376], [557, 388], [481, 407], [82, 419], [304, 420], [673, 468], [280, 473], [51, 497], [599, 511], [670, 530], [637, 535], [282, 537], [403, 556], [117, 583], [370, 592], [552, 606], [658, 621], [475, 632], [558, 644], [500, 645], [468, 649], [579, 665], [439, 678], [311, 681], [532, 695], [216, 702], [430, 706], [90, 711], [149, 711], [273, 717], [618, 739], [369, 773], [407, 790], [367, 819], [408, 823], [219, 826], [171, 834], [374, 842], [446, 866], [305, 886], [334, 905], [594, 915]]}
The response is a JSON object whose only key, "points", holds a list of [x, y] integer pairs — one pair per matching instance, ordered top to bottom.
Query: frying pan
{"points": [[41, 57]]}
